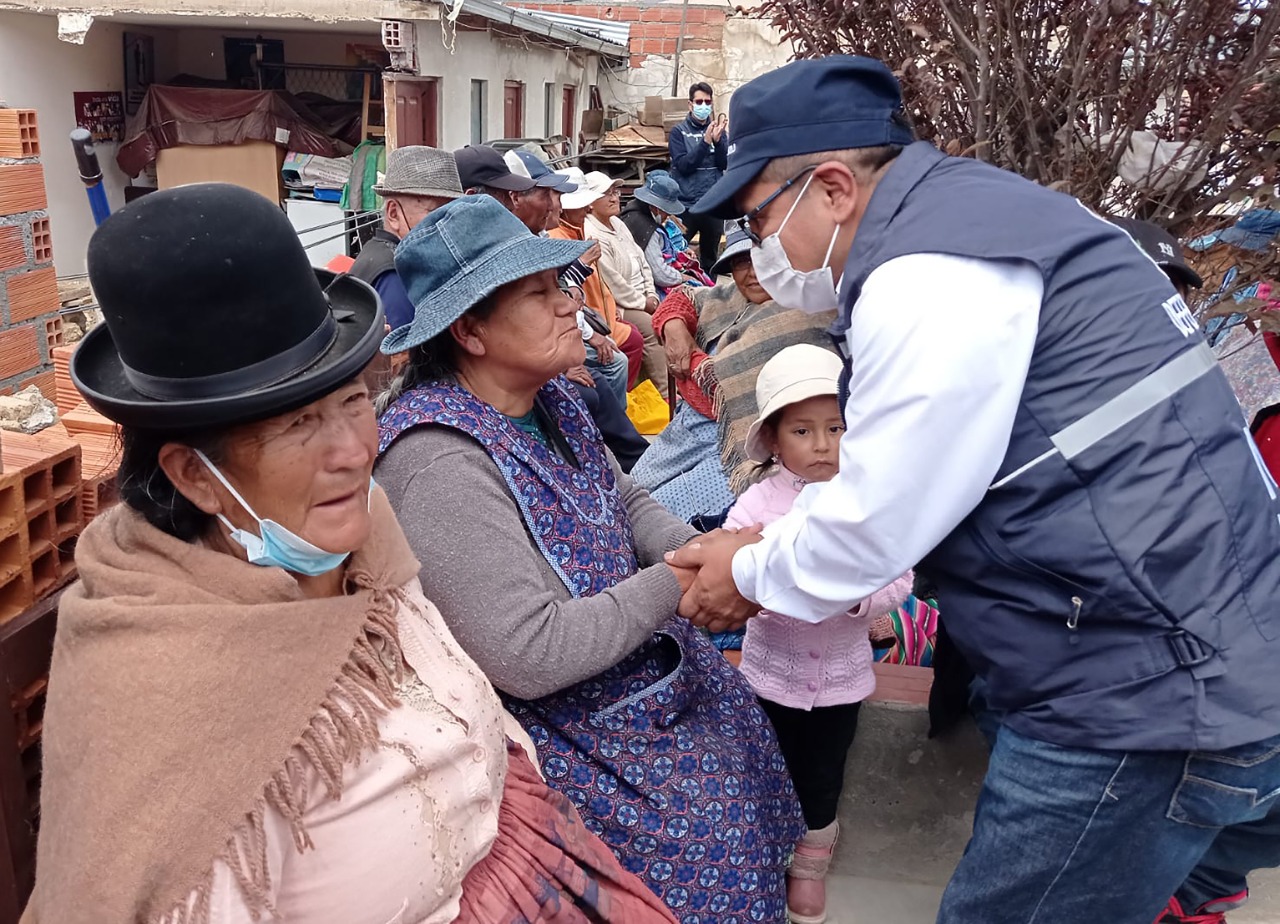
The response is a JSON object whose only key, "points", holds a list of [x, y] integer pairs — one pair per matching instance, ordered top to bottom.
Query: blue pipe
{"points": [[90, 174]]}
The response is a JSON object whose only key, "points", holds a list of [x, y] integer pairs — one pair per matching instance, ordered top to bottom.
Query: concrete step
{"points": [[906, 815]]}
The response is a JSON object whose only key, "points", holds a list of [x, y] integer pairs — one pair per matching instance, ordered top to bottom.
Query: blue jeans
{"points": [[613, 372], [681, 470], [1071, 835]]}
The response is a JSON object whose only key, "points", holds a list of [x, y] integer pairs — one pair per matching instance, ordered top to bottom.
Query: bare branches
{"points": [[1181, 98], [1167, 110]]}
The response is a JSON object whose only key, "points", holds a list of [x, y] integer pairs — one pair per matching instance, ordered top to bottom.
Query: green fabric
{"points": [[367, 161], [529, 424]]}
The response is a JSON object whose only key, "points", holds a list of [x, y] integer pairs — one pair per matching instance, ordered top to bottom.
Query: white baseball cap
{"points": [[583, 196], [793, 375]]}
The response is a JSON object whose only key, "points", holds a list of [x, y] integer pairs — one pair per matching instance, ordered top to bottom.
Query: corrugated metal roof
{"points": [[619, 33]]}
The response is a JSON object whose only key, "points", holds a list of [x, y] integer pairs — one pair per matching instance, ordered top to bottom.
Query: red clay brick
{"points": [[626, 13], [656, 14], [637, 60], [19, 136], [21, 188], [41, 241], [12, 252], [32, 294], [52, 334], [19, 350]]}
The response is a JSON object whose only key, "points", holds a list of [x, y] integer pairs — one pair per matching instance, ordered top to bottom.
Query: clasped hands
{"points": [[704, 568]]}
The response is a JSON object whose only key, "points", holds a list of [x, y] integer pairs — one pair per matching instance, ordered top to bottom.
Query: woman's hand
{"points": [[592, 254], [679, 345], [604, 347], [580, 375]]}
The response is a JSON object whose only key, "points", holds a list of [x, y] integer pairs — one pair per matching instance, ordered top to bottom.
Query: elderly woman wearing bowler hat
{"points": [[547, 563], [254, 714]]}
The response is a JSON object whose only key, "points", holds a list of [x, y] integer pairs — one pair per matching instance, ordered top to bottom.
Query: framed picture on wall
{"points": [[139, 69], [102, 113]]}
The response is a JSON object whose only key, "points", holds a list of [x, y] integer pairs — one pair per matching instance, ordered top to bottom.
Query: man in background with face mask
{"points": [[697, 147], [1045, 429]]}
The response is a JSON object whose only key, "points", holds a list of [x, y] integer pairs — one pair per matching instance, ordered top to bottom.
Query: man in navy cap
{"points": [[1032, 413]]}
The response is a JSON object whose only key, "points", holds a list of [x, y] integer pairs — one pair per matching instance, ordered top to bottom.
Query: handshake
{"points": [[704, 568]]}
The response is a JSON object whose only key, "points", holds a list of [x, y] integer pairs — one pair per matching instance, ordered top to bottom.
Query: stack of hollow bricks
{"points": [[654, 28], [52, 481]]}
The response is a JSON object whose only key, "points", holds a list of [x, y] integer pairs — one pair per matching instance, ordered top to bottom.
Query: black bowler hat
{"points": [[213, 315]]}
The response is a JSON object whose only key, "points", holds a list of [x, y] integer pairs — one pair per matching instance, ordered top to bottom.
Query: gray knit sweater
{"points": [[500, 598]]}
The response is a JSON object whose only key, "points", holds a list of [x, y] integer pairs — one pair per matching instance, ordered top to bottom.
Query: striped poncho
{"points": [[743, 336]]}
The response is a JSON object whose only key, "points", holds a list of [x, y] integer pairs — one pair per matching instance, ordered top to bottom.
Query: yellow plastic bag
{"points": [[649, 413]]}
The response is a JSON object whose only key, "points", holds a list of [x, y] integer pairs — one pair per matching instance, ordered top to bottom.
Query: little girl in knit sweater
{"points": [[810, 677]]}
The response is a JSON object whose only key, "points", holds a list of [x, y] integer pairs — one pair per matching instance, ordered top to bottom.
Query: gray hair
{"points": [[863, 163]]}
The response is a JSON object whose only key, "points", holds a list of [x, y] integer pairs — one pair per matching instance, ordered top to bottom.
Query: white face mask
{"points": [[812, 292]]}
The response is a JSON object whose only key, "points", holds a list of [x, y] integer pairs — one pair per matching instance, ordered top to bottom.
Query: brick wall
{"points": [[654, 29], [29, 320]]}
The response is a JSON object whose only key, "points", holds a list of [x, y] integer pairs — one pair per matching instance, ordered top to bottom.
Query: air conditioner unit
{"points": [[400, 40]]}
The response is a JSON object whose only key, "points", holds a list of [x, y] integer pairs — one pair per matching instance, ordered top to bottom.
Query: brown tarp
{"points": [[170, 116]]}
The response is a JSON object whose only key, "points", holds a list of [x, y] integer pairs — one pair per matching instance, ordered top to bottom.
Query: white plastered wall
{"points": [[481, 56], [40, 72]]}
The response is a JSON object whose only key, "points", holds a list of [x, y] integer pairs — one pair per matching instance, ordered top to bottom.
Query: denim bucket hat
{"points": [[662, 192], [737, 240], [458, 255]]}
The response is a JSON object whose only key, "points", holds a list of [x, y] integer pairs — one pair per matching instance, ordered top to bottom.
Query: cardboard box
{"points": [[660, 110], [254, 165]]}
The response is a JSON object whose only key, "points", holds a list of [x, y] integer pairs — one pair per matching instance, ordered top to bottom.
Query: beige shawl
{"points": [[189, 691]]}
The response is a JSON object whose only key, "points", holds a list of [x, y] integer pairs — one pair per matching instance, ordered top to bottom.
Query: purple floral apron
{"points": [[667, 754]]}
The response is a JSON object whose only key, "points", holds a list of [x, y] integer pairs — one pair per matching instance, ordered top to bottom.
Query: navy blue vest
{"points": [[1119, 584]]}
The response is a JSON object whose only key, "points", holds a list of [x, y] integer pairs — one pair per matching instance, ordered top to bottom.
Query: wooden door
{"points": [[417, 108], [513, 110], [568, 112]]}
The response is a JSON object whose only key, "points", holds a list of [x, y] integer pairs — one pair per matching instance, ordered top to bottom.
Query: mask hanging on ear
{"points": [[813, 291], [275, 546]]}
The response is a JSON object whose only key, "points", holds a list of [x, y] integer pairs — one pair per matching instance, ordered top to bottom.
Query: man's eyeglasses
{"points": [[755, 212]]}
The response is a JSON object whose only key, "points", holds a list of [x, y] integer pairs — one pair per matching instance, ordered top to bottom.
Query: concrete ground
{"points": [[906, 815]]}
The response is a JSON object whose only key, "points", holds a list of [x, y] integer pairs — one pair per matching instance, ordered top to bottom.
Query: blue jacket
{"points": [[695, 165], [1117, 586]]}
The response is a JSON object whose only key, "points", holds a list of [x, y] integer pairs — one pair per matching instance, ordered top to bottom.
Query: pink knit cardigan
{"points": [[801, 664]]}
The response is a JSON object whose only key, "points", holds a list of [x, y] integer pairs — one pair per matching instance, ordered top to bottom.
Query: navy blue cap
{"points": [[827, 104], [538, 171]]}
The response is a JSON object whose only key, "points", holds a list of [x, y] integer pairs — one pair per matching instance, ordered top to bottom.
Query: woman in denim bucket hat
{"points": [[546, 561]]}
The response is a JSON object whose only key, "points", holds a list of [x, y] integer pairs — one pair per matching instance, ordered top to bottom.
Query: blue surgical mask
{"points": [[702, 111], [276, 546]]}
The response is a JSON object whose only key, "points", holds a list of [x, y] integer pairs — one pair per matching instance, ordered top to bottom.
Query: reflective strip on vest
{"points": [[1124, 408]]}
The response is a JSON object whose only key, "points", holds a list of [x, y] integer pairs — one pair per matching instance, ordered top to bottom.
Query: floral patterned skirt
{"points": [[672, 762]]}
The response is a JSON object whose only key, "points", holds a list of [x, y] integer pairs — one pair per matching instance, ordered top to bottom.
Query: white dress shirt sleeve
{"points": [[939, 348]]}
